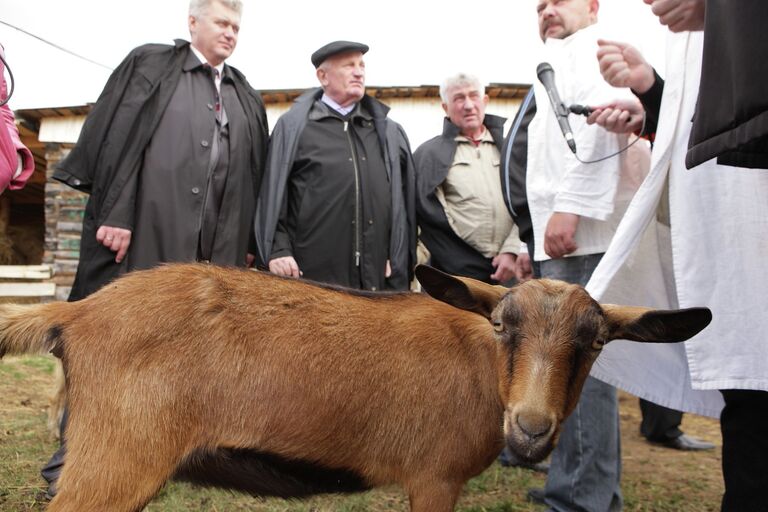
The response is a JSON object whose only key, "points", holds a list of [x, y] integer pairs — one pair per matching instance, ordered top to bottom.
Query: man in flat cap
{"points": [[337, 202]]}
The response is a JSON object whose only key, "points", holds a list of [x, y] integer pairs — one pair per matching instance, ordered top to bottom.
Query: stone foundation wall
{"points": [[64, 209]]}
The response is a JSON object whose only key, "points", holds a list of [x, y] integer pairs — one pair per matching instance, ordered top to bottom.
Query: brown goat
{"points": [[280, 387]]}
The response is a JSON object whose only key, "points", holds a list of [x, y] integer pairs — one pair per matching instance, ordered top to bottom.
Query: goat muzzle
{"points": [[530, 433]]}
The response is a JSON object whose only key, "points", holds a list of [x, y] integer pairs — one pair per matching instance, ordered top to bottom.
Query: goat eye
{"points": [[498, 326], [598, 344]]}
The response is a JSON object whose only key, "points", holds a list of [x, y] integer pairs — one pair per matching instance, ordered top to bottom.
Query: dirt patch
{"points": [[655, 474]]}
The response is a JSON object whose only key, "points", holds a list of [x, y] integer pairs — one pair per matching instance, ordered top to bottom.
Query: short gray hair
{"points": [[196, 7], [457, 80]]}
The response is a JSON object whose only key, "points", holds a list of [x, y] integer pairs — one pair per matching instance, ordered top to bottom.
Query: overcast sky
{"points": [[413, 42]]}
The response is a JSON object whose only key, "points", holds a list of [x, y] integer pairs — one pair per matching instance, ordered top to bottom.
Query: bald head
{"points": [[559, 19]]}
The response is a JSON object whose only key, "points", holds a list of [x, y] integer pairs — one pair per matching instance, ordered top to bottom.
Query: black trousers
{"points": [[659, 423], [744, 425], [52, 469]]}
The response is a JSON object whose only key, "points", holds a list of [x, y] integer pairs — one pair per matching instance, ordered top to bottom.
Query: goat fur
{"points": [[283, 387]]}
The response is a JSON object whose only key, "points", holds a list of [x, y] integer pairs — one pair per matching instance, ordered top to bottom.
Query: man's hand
{"points": [[679, 15], [623, 66], [620, 116], [560, 233], [115, 239], [249, 259], [504, 263], [285, 266], [523, 267], [388, 270]]}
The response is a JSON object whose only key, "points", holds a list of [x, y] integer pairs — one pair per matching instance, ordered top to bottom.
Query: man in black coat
{"points": [[172, 156], [337, 204], [463, 220]]}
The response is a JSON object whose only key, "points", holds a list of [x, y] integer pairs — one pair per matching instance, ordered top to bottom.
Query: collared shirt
{"points": [[219, 69], [335, 106], [556, 181], [471, 196]]}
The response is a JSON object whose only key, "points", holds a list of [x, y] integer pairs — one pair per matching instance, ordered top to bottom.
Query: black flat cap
{"points": [[336, 48]]}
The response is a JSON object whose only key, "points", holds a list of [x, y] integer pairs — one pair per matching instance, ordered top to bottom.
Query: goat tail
{"points": [[29, 328]]}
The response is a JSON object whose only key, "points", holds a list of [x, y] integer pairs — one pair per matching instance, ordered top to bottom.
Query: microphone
{"points": [[547, 78], [581, 110]]}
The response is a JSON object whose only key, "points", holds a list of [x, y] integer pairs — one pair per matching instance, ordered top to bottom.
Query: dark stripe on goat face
{"points": [[558, 323], [266, 474]]}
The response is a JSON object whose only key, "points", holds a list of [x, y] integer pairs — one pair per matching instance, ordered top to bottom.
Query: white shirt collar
{"points": [[219, 68], [335, 106]]}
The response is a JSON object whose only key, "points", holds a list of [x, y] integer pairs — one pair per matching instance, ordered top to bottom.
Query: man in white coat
{"points": [[575, 206], [708, 249]]}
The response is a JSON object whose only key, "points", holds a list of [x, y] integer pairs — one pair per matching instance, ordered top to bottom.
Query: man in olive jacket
{"points": [[172, 156], [337, 204], [462, 216]]}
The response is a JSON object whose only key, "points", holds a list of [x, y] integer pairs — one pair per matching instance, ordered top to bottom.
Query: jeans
{"points": [[585, 470]]}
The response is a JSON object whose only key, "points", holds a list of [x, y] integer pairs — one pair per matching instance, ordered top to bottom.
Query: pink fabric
{"points": [[10, 145]]}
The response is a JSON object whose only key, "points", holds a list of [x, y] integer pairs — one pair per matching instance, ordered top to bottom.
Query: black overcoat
{"points": [[111, 146], [283, 147]]}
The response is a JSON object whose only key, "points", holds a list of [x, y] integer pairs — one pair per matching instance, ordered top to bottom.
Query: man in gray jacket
{"points": [[337, 203]]}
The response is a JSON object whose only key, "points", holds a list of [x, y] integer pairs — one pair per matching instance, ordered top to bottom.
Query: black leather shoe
{"points": [[688, 443], [535, 495]]}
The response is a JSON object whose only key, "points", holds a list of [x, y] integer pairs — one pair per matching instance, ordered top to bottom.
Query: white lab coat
{"points": [[556, 180], [714, 256]]}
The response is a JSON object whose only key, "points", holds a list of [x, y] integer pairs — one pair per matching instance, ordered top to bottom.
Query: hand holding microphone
{"points": [[618, 117]]}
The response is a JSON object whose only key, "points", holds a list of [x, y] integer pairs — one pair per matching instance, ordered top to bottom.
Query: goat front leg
{"points": [[114, 472], [434, 496]]}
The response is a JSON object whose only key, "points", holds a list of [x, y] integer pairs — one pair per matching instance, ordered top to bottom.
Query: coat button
{"points": [[210, 106], [204, 143], [195, 190], [370, 222], [373, 288]]}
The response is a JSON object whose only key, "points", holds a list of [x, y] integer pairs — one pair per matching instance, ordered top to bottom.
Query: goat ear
{"points": [[460, 292], [655, 326]]}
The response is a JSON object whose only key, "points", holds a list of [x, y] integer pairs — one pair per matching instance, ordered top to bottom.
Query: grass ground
{"points": [[655, 479]]}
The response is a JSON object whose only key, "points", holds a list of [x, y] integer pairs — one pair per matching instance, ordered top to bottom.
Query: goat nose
{"points": [[534, 425]]}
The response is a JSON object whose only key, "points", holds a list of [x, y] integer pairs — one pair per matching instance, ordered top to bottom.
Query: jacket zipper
{"points": [[358, 223]]}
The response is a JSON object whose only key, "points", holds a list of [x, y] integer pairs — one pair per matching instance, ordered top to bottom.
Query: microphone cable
{"points": [[586, 111]]}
